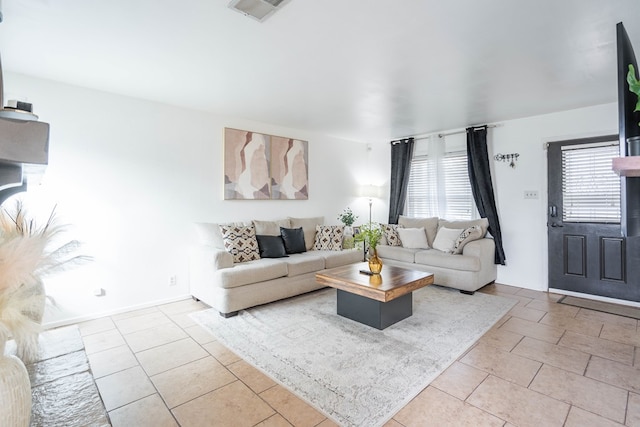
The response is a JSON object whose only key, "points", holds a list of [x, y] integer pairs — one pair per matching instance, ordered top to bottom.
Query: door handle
{"points": [[553, 211]]}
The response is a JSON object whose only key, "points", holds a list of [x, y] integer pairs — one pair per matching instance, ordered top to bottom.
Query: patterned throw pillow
{"points": [[391, 234], [467, 235], [329, 237], [241, 242]]}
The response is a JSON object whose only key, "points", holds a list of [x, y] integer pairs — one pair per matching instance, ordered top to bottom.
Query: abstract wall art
{"points": [[263, 167], [289, 176]]}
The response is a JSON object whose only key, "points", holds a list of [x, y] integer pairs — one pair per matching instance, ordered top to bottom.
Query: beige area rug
{"points": [[605, 307], [356, 375]]}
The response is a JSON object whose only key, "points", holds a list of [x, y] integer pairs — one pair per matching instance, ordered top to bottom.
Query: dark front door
{"points": [[587, 253]]}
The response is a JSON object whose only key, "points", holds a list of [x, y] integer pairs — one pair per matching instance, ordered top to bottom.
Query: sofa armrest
{"points": [[480, 248], [484, 249], [212, 257], [222, 259]]}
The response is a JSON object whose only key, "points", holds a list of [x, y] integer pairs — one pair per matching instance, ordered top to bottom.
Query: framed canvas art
{"points": [[246, 165], [262, 167], [289, 174]]}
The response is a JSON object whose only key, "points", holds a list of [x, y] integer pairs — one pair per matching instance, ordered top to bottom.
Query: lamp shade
{"points": [[370, 191]]}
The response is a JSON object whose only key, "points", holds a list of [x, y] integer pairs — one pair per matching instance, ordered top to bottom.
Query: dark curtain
{"points": [[401, 154], [481, 186]]}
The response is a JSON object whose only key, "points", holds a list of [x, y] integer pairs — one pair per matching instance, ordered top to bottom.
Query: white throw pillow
{"points": [[413, 238], [446, 239]]}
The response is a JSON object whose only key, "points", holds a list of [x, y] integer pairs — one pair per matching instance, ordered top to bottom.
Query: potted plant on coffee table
{"points": [[371, 234]]}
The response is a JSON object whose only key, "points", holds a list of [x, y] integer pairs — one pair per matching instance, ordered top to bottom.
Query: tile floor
{"points": [[543, 364]]}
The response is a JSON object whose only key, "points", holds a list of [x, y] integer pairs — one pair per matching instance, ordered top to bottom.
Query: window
{"points": [[439, 183], [590, 188]]}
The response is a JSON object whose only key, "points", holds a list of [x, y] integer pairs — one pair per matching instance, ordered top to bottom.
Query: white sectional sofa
{"points": [[468, 271], [230, 286]]}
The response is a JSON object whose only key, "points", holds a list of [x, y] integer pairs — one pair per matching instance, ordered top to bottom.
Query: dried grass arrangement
{"points": [[28, 253]]}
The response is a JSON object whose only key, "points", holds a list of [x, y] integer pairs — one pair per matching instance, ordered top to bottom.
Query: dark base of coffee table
{"points": [[376, 314]]}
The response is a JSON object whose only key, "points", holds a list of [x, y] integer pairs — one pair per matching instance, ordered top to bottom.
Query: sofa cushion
{"points": [[482, 222], [430, 226], [309, 227], [270, 228], [468, 235], [391, 236], [328, 238], [413, 238], [446, 239], [293, 240], [241, 242], [271, 246], [397, 253], [435, 258], [334, 259], [303, 263], [250, 272]]}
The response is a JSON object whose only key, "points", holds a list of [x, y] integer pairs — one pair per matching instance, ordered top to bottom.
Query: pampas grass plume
{"points": [[28, 253]]}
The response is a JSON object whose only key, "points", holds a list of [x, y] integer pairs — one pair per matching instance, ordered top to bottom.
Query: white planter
{"points": [[15, 391]]}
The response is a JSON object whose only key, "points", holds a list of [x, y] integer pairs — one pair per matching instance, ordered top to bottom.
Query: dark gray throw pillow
{"points": [[293, 240], [271, 246]]}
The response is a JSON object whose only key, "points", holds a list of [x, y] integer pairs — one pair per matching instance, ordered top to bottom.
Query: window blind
{"points": [[590, 188], [421, 191], [450, 197], [460, 204]]}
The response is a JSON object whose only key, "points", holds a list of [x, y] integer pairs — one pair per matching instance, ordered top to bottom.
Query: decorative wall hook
{"points": [[511, 158]]}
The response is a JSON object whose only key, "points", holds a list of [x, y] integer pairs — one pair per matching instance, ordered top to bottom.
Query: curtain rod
{"points": [[442, 135]]}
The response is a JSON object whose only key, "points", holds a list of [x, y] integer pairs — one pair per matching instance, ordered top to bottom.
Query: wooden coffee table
{"points": [[378, 301]]}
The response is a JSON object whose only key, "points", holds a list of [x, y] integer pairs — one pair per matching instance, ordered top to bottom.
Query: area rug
{"points": [[605, 307], [356, 375]]}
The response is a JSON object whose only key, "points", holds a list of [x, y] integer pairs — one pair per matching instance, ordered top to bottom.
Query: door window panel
{"points": [[590, 188]]}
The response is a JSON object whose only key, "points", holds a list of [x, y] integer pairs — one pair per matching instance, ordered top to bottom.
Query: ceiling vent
{"points": [[257, 9]]}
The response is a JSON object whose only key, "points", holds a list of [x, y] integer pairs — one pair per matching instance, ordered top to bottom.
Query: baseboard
{"points": [[595, 297], [74, 320]]}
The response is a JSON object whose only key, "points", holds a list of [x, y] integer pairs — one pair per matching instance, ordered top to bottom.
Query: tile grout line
{"points": [[145, 372], [149, 377]]}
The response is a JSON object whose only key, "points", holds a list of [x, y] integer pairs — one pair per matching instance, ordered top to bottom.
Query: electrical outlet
{"points": [[530, 194], [173, 280]]}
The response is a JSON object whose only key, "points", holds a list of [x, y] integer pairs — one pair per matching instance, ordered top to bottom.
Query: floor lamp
{"points": [[370, 192]]}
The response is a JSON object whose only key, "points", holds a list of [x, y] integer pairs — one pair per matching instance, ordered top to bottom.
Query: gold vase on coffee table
{"points": [[375, 263]]}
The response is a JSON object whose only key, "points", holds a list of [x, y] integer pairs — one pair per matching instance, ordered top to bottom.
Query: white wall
{"points": [[132, 176], [523, 222]]}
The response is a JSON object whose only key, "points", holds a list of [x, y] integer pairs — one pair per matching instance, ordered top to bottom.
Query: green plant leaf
{"points": [[634, 85], [347, 217], [369, 233]]}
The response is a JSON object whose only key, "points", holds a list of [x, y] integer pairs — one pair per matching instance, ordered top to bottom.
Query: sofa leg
{"points": [[467, 292], [227, 315]]}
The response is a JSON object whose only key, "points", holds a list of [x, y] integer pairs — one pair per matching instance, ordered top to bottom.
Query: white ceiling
{"points": [[368, 70]]}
